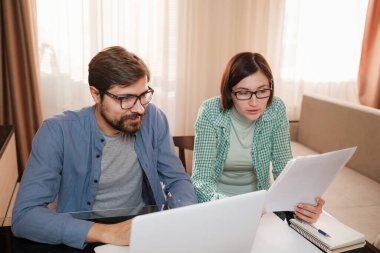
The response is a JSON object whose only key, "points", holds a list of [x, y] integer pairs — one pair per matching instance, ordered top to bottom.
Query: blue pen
{"points": [[320, 231]]}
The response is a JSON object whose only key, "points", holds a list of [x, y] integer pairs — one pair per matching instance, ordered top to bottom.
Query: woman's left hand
{"points": [[310, 213]]}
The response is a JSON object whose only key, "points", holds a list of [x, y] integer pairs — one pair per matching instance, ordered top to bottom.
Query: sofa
{"points": [[328, 124]]}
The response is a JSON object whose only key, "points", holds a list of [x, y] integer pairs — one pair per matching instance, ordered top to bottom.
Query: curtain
{"points": [[71, 32], [212, 32], [186, 44], [312, 47], [320, 50], [369, 71], [20, 94]]}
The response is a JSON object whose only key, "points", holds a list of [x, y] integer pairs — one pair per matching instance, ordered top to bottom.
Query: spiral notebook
{"points": [[329, 234]]}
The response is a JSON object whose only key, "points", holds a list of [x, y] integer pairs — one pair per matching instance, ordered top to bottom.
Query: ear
{"points": [[95, 94]]}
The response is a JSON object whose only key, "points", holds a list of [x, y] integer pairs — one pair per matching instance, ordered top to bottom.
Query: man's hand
{"points": [[263, 212], [310, 213], [116, 234]]}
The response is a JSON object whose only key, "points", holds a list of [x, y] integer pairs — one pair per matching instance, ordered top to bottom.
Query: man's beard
{"points": [[119, 125]]}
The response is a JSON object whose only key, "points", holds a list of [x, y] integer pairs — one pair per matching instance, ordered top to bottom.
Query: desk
{"points": [[8, 170], [273, 235], [11, 244]]}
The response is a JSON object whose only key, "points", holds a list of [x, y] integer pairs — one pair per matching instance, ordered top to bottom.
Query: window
{"points": [[71, 32], [321, 49]]}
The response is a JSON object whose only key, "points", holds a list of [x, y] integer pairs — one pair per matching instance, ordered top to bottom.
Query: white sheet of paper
{"points": [[305, 178], [109, 248]]}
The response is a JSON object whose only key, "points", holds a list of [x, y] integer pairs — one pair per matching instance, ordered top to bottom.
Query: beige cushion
{"points": [[328, 124], [377, 242]]}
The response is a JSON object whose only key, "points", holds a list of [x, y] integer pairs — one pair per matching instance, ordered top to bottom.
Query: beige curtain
{"points": [[211, 33], [315, 58], [369, 70], [20, 95]]}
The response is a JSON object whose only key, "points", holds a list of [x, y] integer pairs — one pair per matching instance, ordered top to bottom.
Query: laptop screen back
{"points": [[226, 225]]}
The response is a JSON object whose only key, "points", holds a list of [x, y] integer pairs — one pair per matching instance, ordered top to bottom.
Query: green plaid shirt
{"points": [[271, 143]]}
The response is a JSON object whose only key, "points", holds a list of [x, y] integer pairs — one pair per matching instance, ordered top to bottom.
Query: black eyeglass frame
{"points": [[254, 93], [137, 97]]}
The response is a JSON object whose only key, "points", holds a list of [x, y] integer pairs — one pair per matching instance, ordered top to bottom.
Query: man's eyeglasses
{"points": [[246, 94], [127, 101]]}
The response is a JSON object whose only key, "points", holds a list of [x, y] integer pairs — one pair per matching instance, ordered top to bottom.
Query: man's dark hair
{"points": [[115, 65]]}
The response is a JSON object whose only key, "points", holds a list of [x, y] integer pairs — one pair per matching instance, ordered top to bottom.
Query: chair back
{"points": [[183, 142]]}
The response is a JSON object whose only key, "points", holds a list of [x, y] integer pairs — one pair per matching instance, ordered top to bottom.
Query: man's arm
{"points": [[177, 183], [31, 218]]}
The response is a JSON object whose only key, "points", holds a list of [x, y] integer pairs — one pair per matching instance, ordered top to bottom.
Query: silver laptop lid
{"points": [[226, 225]]}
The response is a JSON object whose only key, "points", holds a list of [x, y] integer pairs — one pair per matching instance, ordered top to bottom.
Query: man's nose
{"points": [[138, 107]]}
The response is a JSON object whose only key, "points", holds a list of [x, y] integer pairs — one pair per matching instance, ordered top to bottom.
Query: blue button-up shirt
{"points": [[66, 162]]}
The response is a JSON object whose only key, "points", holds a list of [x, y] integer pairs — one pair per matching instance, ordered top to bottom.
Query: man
{"points": [[112, 155]]}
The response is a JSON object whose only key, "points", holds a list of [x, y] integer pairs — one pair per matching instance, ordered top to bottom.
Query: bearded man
{"points": [[113, 155]]}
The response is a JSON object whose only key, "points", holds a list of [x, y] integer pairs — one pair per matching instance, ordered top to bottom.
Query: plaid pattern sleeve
{"points": [[271, 143], [281, 150], [207, 163]]}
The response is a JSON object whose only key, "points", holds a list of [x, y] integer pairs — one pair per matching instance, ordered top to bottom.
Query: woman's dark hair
{"points": [[115, 65], [239, 67]]}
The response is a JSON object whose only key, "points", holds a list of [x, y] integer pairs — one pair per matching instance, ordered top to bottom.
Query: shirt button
{"points": [[102, 140], [97, 156], [95, 181], [88, 203]]}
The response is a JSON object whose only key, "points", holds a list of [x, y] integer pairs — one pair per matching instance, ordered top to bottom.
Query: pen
{"points": [[320, 231]]}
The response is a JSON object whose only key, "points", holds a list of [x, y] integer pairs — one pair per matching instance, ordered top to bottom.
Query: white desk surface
{"points": [[273, 236]]}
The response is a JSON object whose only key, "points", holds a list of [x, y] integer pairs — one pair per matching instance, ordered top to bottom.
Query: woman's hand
{"points": [[310, 213]]}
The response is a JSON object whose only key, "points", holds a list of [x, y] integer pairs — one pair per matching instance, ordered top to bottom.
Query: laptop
{"points": [[221, 226]]}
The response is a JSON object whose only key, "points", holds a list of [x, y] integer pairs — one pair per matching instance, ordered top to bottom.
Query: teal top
{"points": [[270, 143], [238, 175]]}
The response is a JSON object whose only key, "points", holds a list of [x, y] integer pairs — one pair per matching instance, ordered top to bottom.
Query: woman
{"points": [[238, 135]]}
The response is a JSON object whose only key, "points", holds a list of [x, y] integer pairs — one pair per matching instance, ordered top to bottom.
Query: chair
{"points": [[183, 142]]}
